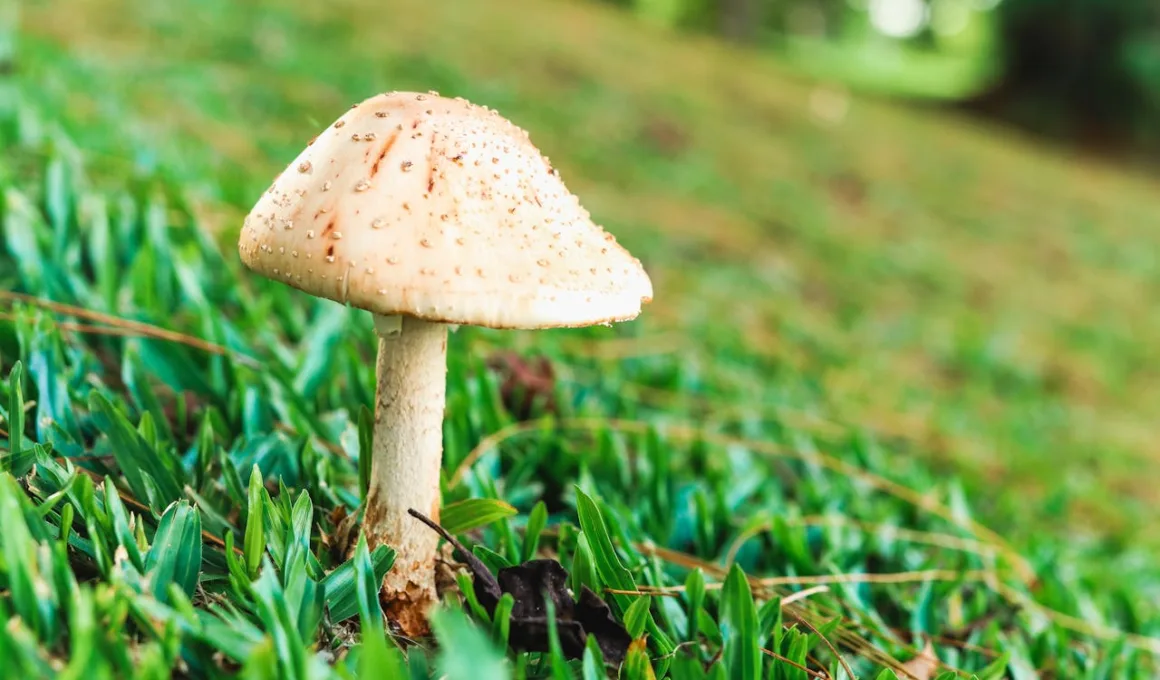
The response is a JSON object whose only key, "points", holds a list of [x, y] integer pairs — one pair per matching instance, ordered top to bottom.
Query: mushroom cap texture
{"points": [[437, 208]]}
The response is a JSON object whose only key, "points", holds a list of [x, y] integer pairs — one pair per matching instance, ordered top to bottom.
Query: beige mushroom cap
{"points": [[436, 208]]}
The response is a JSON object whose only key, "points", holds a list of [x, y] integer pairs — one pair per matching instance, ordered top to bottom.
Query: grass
{"points": [[892, 389]]}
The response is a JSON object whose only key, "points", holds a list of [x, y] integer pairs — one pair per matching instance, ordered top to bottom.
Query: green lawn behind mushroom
{"points": [[843, 320]]}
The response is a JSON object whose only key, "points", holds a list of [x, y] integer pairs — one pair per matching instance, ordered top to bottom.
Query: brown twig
{"points": [[120, 326], [919, 576], [841, 660], [808, 671]]}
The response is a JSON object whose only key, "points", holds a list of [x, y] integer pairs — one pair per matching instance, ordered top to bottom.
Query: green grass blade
{"points": [[366, 437], [133, 454], [473, 513], [537, 520], [254, 542], [175, 556], [609, 568], [341, 585], [367, 590], [636, 616], [465, 652], [742, 654], [556, 661], [592, 663]]}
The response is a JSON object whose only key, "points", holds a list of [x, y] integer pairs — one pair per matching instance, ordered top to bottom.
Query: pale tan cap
{"points": [[444, 210]]}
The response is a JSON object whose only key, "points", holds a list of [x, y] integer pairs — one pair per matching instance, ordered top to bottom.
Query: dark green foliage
{"points": [[1081, 68], [1083, 71]]}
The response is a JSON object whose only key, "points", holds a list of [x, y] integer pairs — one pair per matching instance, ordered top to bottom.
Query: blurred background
{"points": [[1082, 71], [928, 223], [915, 240]]}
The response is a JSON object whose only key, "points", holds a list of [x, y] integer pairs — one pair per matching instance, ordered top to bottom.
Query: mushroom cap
{"points": [[437, 208]]}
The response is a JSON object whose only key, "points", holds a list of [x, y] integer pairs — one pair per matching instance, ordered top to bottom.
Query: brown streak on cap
{"points": [[383, 154], [431, 154]]}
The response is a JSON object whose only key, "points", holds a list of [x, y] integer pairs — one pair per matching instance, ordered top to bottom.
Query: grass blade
{"points": [[473, 513], [175, 556], [738, 624]]}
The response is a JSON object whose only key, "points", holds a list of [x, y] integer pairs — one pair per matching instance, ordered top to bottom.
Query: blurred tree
{"points": [[695, 15], [740, 19], [1087, 68]]}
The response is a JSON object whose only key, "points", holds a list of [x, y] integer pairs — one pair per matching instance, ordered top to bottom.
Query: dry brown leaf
{"points": [[922, 667]]}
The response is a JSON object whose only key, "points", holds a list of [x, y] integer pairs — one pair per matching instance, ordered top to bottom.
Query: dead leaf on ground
{"points": [[524, 383], [530, 585], [924, 666]]}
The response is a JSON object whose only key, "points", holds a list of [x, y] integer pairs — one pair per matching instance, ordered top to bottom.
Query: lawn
{"points": [[895, 371]]}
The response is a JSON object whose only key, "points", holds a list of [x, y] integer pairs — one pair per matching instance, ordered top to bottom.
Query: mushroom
{"points": [[430, 213]]}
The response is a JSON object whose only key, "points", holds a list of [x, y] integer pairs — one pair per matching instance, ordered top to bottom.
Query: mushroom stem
{"points": [[407, 458]]}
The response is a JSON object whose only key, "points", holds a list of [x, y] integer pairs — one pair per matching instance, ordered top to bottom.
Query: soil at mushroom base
{"points": [[429, 211]]}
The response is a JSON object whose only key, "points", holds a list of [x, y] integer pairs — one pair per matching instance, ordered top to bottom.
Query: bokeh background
{"points": [[1084, 72], [933, 220], [921, 234]]}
